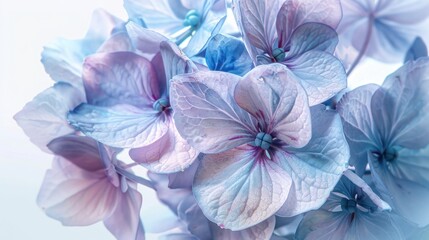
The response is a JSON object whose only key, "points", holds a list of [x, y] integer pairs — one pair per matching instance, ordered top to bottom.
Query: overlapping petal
{"points": [[294, 13], [228, 54], [63, 58], [321, 74], [120, 78], [272, 95], [401, 106], [355, 111], [206, 114], [45, 117], [122, 126], [170, 153], [317, 167], [237, 190]]}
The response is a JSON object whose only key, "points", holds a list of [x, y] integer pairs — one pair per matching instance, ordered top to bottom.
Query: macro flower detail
{"points": [[197, 20], [380, 29], [299, 37], [128, 107], [233, 120], [387, 127], [239, 183], [83, 187], [353, 211]]}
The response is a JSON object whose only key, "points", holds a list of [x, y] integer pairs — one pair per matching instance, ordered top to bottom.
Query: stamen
{"points": [[192, 19], [279, 54], [161, 104], [263, 140], [348, 205]]}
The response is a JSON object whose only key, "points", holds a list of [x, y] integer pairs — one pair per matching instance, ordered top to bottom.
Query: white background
{"points": [[25, 26]]}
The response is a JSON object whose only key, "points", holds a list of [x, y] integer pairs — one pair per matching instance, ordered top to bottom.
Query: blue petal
{"points": [[155, 14], [213, 20], [312, 36], [418, 49], [228, 54], [321, 74], [401, 107], [354, 109], [206, 114], [122, 126], [317, 167], [236, 191], [323, 224]]}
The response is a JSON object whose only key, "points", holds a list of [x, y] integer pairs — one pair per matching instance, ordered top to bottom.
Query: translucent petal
{"points": [[293, 13], [154, 14], [257, 22], [211, 25], [312, 36], [418, 49], [228, 54], [63, 58], [321, 74], [120, 77], [273, 96], [401, 106], [355, 111], [206, 114], [45, 117], [121, 126], [81, 151], [170, 153], [316, 168], [236, 190], [76, 197], [124, 222], [263, 231]]}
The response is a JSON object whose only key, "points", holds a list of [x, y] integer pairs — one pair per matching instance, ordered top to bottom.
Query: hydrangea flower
{"points": [[198, 20], [380, 29], [298, 34], [129, 107], [387, 127], [264, 156], [83, 187], [353, 211], [192, 223]]}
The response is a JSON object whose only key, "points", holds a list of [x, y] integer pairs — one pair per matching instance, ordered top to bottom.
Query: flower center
{"points": [[192, 18], [279, 54], [161, 104], [263, 140], [388, 155], [348, 205]]}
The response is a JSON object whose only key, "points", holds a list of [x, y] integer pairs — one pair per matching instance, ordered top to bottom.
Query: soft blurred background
{"points": [[25, 26]]}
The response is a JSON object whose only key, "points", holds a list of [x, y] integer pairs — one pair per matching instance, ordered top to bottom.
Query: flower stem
{"points": [[364, 46], [135, 178]]}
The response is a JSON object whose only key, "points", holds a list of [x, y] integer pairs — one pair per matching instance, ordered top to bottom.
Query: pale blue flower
{"points": [[387, 127], [263, 154]]}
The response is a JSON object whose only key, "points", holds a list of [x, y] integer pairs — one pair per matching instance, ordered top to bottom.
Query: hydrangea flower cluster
{"points": [[240, 114]]}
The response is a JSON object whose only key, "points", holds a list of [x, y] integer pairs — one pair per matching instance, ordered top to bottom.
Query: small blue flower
{"points": [[298, 34], [387, 127], [353, 212]]}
